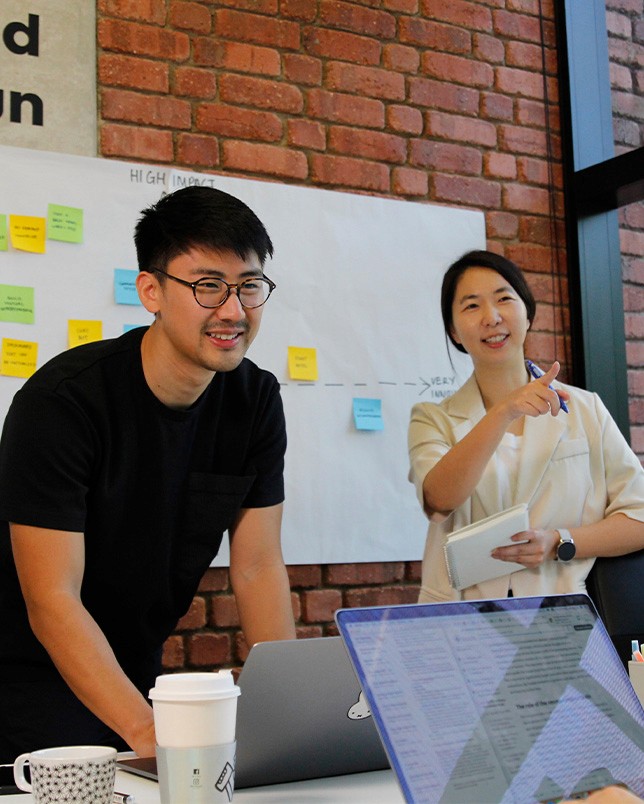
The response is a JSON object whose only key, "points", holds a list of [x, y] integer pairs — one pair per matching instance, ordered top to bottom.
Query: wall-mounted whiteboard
{"points": [[358, 280]]}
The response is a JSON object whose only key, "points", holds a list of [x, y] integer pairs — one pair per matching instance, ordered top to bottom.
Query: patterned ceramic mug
{"points": [[82, 774]]}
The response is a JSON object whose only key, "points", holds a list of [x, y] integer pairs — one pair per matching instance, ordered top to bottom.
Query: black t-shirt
{"points": [[87, 447]]}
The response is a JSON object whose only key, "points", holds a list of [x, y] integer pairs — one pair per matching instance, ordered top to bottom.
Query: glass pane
{"points": [[625, 25]]}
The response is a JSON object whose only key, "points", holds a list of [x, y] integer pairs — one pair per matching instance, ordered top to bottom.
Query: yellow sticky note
{"points": [[27, 233], [84, 332], [18, 358], [302, 363]]}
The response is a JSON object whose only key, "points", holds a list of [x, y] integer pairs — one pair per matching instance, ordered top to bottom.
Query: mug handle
{"points": [[19, 773]]}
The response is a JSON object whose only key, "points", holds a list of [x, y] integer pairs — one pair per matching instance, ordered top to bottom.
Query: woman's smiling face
{"points": [[489, 319]]}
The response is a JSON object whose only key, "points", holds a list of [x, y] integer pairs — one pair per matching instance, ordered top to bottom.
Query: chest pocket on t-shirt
{"points": [[212, 504]]}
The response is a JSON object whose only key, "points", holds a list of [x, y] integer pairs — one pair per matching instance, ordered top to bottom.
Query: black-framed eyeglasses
{"points": [[211, 292]]}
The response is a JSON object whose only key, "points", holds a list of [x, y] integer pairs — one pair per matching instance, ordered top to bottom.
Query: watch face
{"points": [[566, 551]]}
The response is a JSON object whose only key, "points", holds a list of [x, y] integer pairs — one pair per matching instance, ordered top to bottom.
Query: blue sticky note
{"points": [[125, 287], [128, 327], [367, 414]]}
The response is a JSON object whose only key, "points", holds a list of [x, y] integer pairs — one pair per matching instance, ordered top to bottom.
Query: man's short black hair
{"points": [[202, 218]]}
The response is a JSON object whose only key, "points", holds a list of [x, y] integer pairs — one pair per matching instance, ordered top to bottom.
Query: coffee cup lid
{"points": [[194, 687]]}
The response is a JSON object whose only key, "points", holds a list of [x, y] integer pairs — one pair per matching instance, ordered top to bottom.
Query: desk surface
{"points": [[377, 787]]}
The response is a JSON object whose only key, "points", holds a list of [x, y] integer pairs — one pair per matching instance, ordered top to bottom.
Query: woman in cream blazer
{"points": [[503, 439]]}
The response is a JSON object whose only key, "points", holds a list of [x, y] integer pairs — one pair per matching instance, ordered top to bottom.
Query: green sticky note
{"points": [[64, 223], [4, 240], [16, 304]]}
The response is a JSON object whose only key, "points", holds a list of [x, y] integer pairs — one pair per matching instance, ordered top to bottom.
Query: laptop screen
{"points": [[513, 700]]}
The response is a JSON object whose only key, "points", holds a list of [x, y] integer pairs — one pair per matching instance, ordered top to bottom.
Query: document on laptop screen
{"points": [[498, 701]]}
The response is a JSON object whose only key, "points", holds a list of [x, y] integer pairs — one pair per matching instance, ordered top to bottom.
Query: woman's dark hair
{"points": [[483, 259]]}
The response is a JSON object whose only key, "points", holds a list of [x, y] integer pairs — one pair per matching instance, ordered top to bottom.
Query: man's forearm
{"points": [[264, 605], [87, 663]]}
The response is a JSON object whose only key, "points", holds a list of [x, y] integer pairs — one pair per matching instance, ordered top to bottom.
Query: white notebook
{"points": [[467, 550]]}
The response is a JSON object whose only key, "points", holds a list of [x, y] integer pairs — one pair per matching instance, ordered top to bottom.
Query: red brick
{"points": [[256, 6], [401, 6], [143, 10], [301, 10], [469, 15], [190, 17], [357, 19], [618, 25], [241, 26], [516, 26], [429, 34], [143, 40], [341, 45], [488, 49], [523, 55], [238, 56], [400, 58], [300, 69], [456, 69], [128, 71], [620, 77], [370, 81], [194, 82], [519, 82], [245, 90], [447, 97], [133, 107], [497, 107], [345, 109], [530, 113], [405, 119], [232, 121], [461, 129], [306, 134], [521, 140], [136, 143], [369, 144], [193, 149], [446, 157], [269, 160], [500, 166], [533, 171], [347, 172], [409, 182], [470, 191], [520, 198], [504, 225], [533, 229], [632, 242], [535, 258], [633, 270], [633, 298], [634, 324], [634, 353], [636, 383], [636, 411], [637, 441], [413, 570], [354, 574], [304, 575], [215, 579], [389, 596], [319, 605], [296, 606], [224, 611], [195, 617], [309, 631], [241, 649], [209, 650], [174, 655]]}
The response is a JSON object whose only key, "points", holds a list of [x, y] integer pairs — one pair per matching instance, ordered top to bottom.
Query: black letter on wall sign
{"points": [[31, 29], [15, 111]]}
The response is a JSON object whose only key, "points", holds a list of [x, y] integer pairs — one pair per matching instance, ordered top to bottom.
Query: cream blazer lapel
{"points": [[466, 410], [541, 436]]}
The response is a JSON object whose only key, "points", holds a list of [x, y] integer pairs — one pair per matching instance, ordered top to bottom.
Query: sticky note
{"points": [[64, 223], [27, 233], [4, 243], [125, 287], [16, 304], [128, 327], [84, 332], [18, 358], [302, 363], [367, 414]]}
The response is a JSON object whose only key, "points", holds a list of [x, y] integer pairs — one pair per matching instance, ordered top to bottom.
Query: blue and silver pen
{"points": [[536, 373]]}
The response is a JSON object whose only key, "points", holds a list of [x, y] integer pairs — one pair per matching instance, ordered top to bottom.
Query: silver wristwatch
{"points": [[566, 548]]}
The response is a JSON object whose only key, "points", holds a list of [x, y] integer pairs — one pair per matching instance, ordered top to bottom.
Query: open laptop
{"points": [[514, 700], [300, 715]]}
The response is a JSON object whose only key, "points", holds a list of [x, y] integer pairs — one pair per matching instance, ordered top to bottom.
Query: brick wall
{"points": [[625, 23], [442, 101]]}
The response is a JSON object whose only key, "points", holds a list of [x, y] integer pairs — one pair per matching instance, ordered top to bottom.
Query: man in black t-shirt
{"points": [[121, 465]]}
